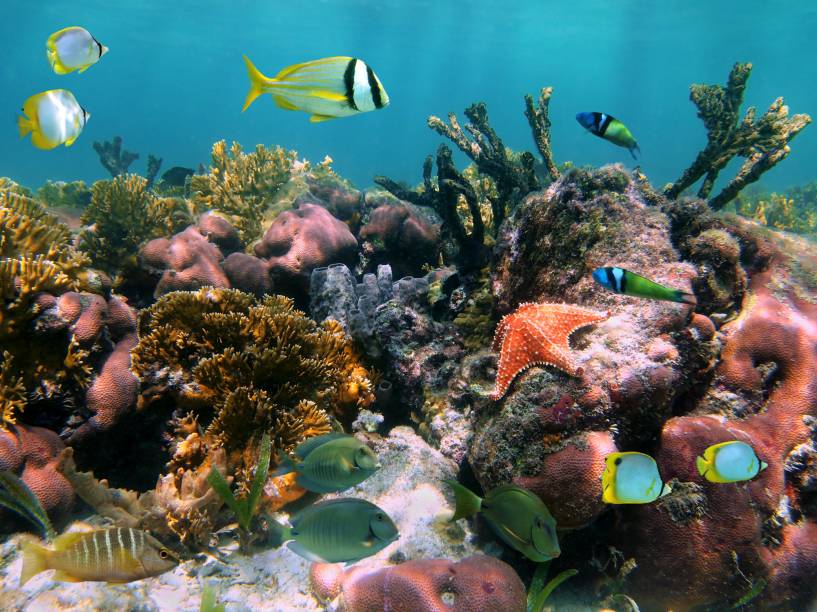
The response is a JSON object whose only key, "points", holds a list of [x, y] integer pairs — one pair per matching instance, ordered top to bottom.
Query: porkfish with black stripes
{"points": [[325, 88]]}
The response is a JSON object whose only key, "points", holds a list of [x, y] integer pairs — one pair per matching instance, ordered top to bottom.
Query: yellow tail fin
{"points": [[258, 83], [24, 125], [35, 560]]}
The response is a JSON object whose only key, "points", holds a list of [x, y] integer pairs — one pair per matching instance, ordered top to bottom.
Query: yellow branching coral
{"points": [[240, 185], [795, 210], [123, 214], [244, 367], [12, 392]]}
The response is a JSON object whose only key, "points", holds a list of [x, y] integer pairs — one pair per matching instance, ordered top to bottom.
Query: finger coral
{"points": [[240, 185], [244, 367]]}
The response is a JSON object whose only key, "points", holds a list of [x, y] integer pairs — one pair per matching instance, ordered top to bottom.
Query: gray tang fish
{"points": [[332, 462], [335, 531]]}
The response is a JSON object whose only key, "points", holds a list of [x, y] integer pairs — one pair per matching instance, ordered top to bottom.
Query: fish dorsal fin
{"points": [[296, 68], [282, 102], [319, 118], [311, 444], [66, 540]]}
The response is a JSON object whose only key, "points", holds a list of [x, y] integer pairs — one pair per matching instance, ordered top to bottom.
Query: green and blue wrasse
{"points": [[72, 49], [325, 88], [52, 117], [611, 129], [629, 283], [732, 461], [329, 463], [631, 478], [517, 516], [339, 530], [116, 555]]}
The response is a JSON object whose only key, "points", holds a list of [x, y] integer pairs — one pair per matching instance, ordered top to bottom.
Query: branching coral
{"points": [[763, 142], [113, 157], [241, 185], [793, 210], [123, 213], [246, 367]]}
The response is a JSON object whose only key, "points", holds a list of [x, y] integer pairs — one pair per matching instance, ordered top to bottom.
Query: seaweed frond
{"points": [[17, 497]]}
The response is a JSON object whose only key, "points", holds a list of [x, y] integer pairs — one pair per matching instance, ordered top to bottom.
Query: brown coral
{"points": [[475, 584]]}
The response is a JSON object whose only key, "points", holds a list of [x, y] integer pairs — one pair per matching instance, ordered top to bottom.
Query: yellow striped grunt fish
{"points": [[325, 88], [111, 555]]}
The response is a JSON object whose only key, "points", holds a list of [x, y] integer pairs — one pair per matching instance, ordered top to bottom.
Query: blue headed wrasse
{"points": [[72, 49], [325, 88], [611, 129], [629, 283], [732, 461], [631, 478]]}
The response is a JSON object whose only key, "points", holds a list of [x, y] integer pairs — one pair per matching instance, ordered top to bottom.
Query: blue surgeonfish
{"points": [[72, 49], [325, 88], [52, 118], [611, 129], [629, 283], [732, 461], [631, 478]]}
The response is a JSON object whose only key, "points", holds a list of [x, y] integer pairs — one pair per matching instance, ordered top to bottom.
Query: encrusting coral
{"points": [[763, 142], [241, 185], [245, 367]]}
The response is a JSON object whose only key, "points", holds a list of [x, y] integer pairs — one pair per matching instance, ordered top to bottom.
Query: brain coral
{"points": [[243, 367]]}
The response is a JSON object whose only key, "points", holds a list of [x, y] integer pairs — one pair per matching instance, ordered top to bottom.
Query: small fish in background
{"points": [[73, 49], [325, 88], [52, 117], [611, 129], [177, 176], [629, 283], [732, 461], [330, 463], [631, 478], [516, 515], [335, 531], [114, 555]]}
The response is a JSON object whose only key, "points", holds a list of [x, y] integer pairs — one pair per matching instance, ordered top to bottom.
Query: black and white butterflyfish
{"points": [[325, 88], [611, 129]]}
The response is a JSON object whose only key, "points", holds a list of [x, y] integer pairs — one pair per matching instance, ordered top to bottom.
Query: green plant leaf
{"points": [[259, 479], [222, 488], [15, 495], [539, 602]]}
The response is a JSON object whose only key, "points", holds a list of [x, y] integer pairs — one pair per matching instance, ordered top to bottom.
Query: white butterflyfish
{"points": [[73, 49], [325, 88], [52, 118]]}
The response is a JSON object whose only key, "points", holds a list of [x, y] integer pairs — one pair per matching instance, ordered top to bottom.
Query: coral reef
{"points": [[763, 142], [113, 157], [240, 185], [793, 210], [474, 584]]}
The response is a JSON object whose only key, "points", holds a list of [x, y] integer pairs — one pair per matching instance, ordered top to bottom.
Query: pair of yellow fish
{"points": [[54, 117], [633, 478]]}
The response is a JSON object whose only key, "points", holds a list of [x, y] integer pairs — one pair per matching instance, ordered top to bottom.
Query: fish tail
{"points": [[258, 83], [24, 125], [633, 149], [686, 298], [285, 464], [467, 502], [277, 533], [35, 560]]}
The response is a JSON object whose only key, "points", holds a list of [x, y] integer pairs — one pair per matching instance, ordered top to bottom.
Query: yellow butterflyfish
{"points": [[72, 49], [325, 88], [52, 118], [732, 461], [631, 478]]}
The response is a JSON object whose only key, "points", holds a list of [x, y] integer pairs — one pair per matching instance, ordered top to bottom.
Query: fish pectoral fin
{"points": [[84, 68], [282, 102], [319, 118]]}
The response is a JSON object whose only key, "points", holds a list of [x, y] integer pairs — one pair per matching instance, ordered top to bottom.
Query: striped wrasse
{"points": [[120, 554]]}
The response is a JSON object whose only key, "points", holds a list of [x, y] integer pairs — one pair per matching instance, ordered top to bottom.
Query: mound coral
{"points": [[763, 142], [241, 185], [245, 367], [474, 584]]}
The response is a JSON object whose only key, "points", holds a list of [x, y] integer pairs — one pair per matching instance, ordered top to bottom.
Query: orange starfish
{"points": [[538, 334]]}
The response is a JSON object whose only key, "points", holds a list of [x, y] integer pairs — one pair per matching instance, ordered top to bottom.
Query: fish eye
{"points": [[617, 461], [379, 516], [163, 554]]}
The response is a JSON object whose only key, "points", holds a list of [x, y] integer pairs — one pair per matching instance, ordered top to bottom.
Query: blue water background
{"points": [[174, 82]]}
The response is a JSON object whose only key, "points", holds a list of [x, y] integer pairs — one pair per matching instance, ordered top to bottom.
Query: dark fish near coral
{"points": [[325, 88], [611, 129], [177, 176], [629, 283], [732, 461], [332, 462], [631, 478], [516, 515], [335, 531], [111, 555]]}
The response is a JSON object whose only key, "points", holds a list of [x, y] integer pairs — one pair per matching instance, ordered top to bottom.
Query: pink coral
{"points": [[31, 453], [475, 584]]}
